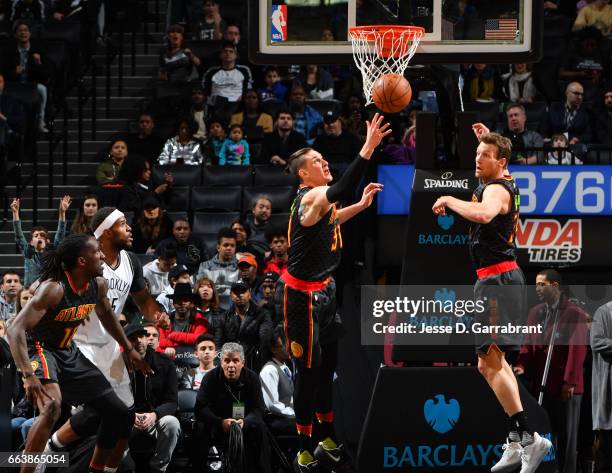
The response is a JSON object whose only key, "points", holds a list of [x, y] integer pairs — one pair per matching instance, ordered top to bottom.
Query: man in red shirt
{"points": [[277, 239]]}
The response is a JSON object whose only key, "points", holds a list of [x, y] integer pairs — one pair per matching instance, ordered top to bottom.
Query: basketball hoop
{"points": [[383, 49]]}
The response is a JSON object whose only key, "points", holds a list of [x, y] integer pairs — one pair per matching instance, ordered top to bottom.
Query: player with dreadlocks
{"points": [[305, 293], [51, 365]]}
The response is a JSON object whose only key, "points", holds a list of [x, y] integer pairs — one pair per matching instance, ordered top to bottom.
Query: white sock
{"points": [[56, 442], [108, 469]]}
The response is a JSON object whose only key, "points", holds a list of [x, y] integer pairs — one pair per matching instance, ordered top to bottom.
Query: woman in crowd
{"points": [[177, 63], [317, 82], [518, 84], [254, 122], [183, 148], [108, 170], [136, 176], [85, 213], [150, 226], [243, 245], [209, 306], [3, 329]]}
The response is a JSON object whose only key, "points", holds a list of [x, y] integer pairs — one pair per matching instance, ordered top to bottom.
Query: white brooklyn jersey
{"points": [[119, 286]]}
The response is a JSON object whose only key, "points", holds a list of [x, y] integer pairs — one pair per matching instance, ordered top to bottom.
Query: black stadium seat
{"points": [[69, 31], [26, 93], [488, 112], [184, 174], [268, 175], [227, 176], [281, 197], [179, 199], [227, 199], [174, 216], [279, 219], [212, 222]]}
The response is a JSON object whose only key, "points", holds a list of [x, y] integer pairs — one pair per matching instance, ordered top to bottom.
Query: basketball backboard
{"points": [[457, 31]]}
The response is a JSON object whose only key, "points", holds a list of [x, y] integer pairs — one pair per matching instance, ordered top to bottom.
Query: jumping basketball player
{"points": [[494, 211], [123, 273], [305, 293], [42, 345]]}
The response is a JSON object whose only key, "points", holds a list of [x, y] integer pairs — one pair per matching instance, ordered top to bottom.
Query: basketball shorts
{"points": [[504, 296], [310, 320], [79, 379]]}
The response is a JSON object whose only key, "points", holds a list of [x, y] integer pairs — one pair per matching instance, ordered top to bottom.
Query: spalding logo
{"points": [[441, 416]]}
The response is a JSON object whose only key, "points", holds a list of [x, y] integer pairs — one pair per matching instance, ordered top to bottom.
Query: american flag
{"points": [[501, 28]]}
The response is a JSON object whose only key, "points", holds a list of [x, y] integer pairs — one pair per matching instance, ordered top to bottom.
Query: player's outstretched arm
{"points": [[367, 197], [494, 199], [48, 296], [150, 308], [111, 324]]}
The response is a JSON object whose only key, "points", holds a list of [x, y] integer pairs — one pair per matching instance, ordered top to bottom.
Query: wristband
{"points": [[25, 376]]}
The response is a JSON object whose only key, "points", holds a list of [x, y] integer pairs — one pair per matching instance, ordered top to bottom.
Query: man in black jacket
{"points": [[570, 117], [282, 142], [190, 250], [247, 324], [231, 394], [155, 400]]}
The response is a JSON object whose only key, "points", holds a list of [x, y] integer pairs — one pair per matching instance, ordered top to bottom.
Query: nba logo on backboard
{"points": [[279, 23]]}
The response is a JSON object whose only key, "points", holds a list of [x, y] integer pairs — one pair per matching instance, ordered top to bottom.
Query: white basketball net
{"points": [[378, 51]]}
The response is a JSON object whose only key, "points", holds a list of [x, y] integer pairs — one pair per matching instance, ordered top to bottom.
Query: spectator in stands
{"points": [[32, 11], [597, 14], [212, 25], [232, 33], [24, 62], [587, 62], [177, 63], [317, 82], [227, 83], [483, 83], [519, 86], [274, 88], [198, 111], [354, 116], [12, 117], [570, 117], [306, 119], [254, 122], [603, 122], [216, 137], [521, 137], [146, 141], [282, 142], [338, 146], [182, 148], [235, 149], [404, 152], [560, 155], [108, 171], [136, 176], [261, 210], [85, 213], [151, 226], [277, 240], [39, 241], [243, 244], [190, 250], [222, 269], [156, 271], [247, 272], [177, 275], [11, 285], [268, 288], [23, 296], [209, 306], [186, 322], [247, 324], [3, 329], [601, 346], [206, 353], [565, 382], [277, 384], [155, 400], [217, 413]]}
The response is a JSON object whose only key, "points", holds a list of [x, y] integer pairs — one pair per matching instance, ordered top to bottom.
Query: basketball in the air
{"points": [[391, 93]]}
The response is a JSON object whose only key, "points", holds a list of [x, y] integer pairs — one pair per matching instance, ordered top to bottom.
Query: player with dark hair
{"points": [[494, 213], [305, 292], [41, 340]]}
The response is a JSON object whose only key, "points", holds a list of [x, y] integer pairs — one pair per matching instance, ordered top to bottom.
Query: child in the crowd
{"points": [[274, 89], [216, 137], [559, 140], [235, 149], [39, 240], [206, 352]]}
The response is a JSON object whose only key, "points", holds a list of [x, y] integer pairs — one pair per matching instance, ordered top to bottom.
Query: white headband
{"points": [[108, 222]]}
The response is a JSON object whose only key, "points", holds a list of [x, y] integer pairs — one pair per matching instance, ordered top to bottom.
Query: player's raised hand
{"points": [[479, 130], [376, 131], [369, 192], [439, 207], [162, 320]]}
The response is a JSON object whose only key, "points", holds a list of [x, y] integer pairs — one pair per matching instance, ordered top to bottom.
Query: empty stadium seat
{"points": [[557, 26], [69, 31], [26, 93], [272, 107], [488, 112], [184, 175], [267, 175], [227, 176], [281, 197], [179, 199], [227, 199], [279, 219], [212, 222]]}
